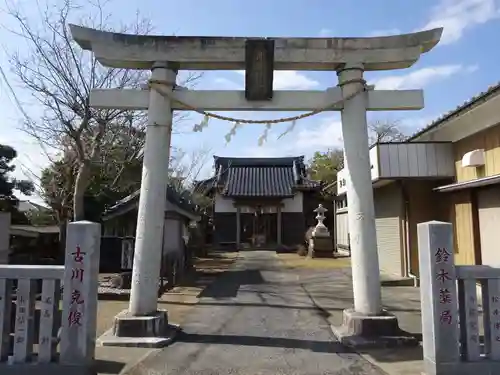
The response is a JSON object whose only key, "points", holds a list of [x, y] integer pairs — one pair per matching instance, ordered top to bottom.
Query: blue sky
{"points": [[463, 64]]}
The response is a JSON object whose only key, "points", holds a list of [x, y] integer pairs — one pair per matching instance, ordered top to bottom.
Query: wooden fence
{"points": [[48, 313], [461, 331]]}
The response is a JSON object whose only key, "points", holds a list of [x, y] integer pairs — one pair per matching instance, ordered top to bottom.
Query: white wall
{"points": [[375, 167], [343, 177], [342, 181], [223, 204], [294, 204], [342, 227], [172, 236]]}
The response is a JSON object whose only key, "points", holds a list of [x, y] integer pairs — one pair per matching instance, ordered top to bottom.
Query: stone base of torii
{"points": [[367, 322]]}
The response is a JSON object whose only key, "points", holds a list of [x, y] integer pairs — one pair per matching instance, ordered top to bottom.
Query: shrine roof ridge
{"points": [[312, 53], [258, 161]]}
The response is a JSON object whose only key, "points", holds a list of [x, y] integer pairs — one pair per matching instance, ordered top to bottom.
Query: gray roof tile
{"points": [[260, 177], [259, 182], [181, 200]]}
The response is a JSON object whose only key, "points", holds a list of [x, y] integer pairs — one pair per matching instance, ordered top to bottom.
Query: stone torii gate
{"points": [[166, 55]]}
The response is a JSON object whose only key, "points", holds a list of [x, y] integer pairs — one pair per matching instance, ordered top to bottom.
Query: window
{"points": [[342, 203]]}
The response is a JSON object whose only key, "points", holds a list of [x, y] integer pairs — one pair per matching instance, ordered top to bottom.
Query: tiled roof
{"points": [[483, 96], [259, 177], [259, 181], [204, 186], [181, 200], [24, 206], [46, 229]]}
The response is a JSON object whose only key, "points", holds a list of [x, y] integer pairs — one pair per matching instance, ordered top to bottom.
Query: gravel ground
{"points": [[256, 319]]}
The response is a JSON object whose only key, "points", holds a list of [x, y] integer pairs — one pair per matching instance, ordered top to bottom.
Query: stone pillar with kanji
{"points": [[321, 242], [438, 293], [78, 334]]}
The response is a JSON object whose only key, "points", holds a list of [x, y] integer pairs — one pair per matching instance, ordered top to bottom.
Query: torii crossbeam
{"points": [[349, 57], [232, 100]]}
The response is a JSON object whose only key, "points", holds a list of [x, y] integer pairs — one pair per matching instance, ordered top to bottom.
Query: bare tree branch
{"points": [[60, 77], [385, 131], [185, 168]]}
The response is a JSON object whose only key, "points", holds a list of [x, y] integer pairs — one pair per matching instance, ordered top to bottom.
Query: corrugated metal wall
{"points": [[388, 217], [342, 229]]}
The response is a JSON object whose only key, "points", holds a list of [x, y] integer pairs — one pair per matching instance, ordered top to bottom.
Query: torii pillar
{"points": [[349, 57], [151, 214]]}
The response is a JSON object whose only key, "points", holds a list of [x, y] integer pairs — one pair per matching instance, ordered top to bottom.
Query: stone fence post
{"points": [[81, 275], [438, 293]]}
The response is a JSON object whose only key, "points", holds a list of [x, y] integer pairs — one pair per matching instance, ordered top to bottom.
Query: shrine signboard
{"points": [[259, 69], [438, 291], [80, 292]]}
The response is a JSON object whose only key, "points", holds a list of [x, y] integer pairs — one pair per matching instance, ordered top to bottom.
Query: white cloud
{"points": [[457, 16], [324, 32], [385, 32], [472, 68], [421, 77], [283, 80], [292, 80], [225, 84], [327, 134], [310, 137], [264, 151], [30, 160]]}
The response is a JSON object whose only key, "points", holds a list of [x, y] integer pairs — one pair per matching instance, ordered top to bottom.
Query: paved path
{"points": [[256, 319]]}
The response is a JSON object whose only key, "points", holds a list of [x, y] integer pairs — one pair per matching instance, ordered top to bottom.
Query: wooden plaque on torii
{"points": [[259, 69]]}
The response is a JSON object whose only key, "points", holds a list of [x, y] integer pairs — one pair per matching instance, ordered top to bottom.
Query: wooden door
{"points": [[269, 227]]}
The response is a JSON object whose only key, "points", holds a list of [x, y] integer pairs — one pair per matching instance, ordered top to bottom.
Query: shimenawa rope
{"points": [[153, 84]]}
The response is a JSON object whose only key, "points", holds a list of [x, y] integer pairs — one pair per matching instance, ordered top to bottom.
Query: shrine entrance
{"points": [[348, 58], [259, 227], [265, 232]]}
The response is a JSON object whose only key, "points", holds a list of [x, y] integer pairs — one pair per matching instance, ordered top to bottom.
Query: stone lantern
{"points": [[320, 230], [321, 242]]}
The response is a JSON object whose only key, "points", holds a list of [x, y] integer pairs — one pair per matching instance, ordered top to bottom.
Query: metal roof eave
{"points": [[485, 181]]}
